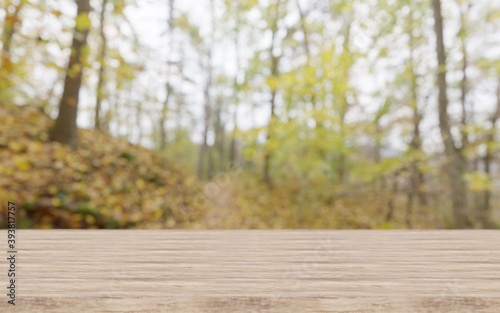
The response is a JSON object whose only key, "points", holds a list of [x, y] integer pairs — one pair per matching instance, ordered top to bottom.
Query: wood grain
{"points": [[256, 271]]}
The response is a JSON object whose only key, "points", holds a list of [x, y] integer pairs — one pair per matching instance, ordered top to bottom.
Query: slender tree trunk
{"points": [[304, 31], [274, 73], [100, 76], [464, 84], [168, 85], [208, 105], [317, 105], [138, 112], [207, 118], [163, 119], [65, 128], [219, 136], [218, 145], [233, 149], [222, 150], [268, 154], [377, 155], [342, 160], [455, 160], [211, 164], [417, 181], [391, 203], [484, 208]]}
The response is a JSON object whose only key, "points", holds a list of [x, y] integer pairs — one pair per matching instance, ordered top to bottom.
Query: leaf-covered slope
{"points": [[105, 183]]}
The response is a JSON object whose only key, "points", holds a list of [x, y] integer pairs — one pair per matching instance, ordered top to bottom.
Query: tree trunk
{"points": [[304, 31], [274, 73], [100, 81], [464, 83], [168, 85], [237, 88], [208, 105], [344, 109], [207, 117], [163, 119], [65, 128], [140, 128], [220, 138], [233, 147], [268, 154], [455, 160], [211, 164], [416, 176], [391, 205], [484, 207]]}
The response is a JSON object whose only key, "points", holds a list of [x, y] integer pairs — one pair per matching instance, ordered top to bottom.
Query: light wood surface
{"points": [[255, 271]]}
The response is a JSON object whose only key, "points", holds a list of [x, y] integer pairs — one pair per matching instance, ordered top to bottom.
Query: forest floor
{"points": [[105, 183], [220, 209]]}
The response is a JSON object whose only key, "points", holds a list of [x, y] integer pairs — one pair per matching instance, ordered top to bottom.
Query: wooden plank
{"points": [[256, 271]]}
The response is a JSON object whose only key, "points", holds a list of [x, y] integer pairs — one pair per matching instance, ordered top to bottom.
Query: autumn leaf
{"points": [[83, 22]]}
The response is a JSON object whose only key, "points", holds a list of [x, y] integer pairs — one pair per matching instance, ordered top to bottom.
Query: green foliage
{"points": [[182, 150], [478, 181]]}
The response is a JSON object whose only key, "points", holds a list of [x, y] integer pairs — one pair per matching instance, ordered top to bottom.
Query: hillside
{"points": [[105, 183]]}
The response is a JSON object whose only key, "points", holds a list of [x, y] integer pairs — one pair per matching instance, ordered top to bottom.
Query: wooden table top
{"points": [[255, 271]]}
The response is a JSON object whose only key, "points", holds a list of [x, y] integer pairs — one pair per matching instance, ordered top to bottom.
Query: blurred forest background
{"points": [[250, 114]]}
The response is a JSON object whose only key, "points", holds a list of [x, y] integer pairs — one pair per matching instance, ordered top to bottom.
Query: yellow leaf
{"points": [[56, 13], [83, 22], [74, 70], [272, 83], [44, 137], [14, 146], [35, 147], [70, 159], [22, 164], [82, 168], [8, 172], [478, 181], [140, 184], [52, 190], [56, 202], [158, 214], [89, 219]]}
